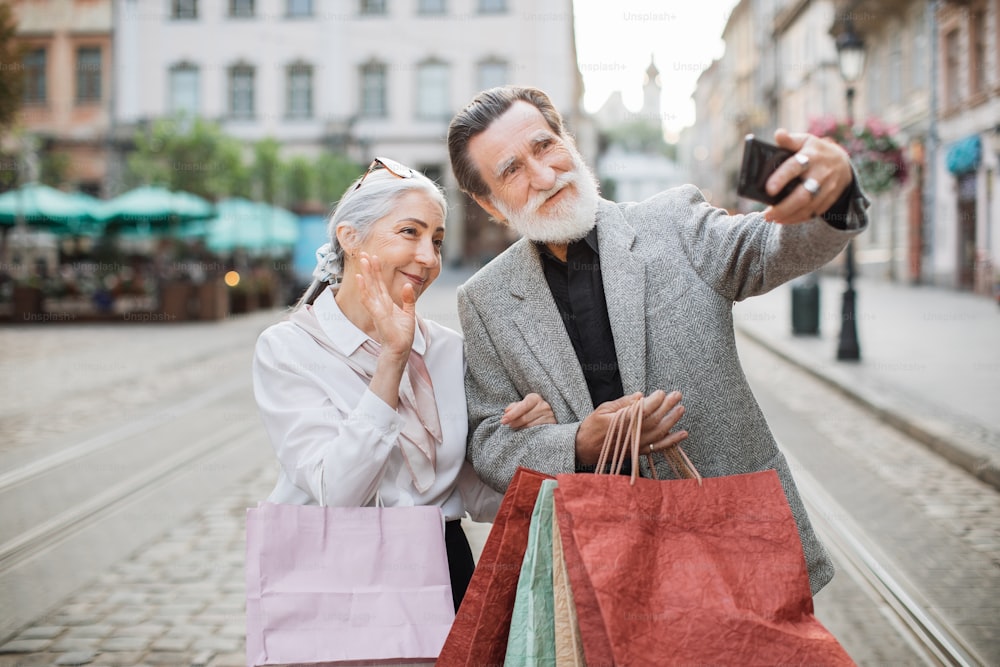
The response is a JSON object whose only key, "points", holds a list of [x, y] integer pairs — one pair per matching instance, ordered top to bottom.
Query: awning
{"points": [[964, 155]]}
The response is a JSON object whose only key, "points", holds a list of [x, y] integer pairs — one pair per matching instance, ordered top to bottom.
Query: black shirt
{"points": [[578, 290]]}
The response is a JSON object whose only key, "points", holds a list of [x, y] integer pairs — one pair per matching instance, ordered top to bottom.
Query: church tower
{"points": [[651, 89]]}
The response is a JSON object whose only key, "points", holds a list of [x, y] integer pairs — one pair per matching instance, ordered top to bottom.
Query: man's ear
{"points": [[487, 205]]}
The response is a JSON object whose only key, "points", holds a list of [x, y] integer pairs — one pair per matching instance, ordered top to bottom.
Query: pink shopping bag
{"points": [[346, 584]]}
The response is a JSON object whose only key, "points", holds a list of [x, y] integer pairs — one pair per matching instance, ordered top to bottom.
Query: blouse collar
{"points": [[343, 333]]}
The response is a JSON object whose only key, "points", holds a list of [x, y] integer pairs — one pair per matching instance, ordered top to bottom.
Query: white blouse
{"points": [[336, 440]]}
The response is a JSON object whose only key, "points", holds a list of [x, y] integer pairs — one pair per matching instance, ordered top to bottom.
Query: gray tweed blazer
{"points": [[672, 266]]}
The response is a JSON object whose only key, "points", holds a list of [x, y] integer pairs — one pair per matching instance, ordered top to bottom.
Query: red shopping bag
{"points": [[688, 571], [479, 633]]}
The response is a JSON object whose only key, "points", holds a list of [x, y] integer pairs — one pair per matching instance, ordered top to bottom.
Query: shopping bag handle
{"points": [[622, 438], [322, 494]]}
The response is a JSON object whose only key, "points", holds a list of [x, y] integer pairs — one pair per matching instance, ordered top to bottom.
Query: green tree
{"points": [[11, 68], [638, 136], [190, 155], [195, 156], [10, 164], [52, 168], [267, 170], [334, 173], [239, 181], [300, 181]]}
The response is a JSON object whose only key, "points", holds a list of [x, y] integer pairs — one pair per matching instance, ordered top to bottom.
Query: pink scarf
{"points": [[421, 433]]}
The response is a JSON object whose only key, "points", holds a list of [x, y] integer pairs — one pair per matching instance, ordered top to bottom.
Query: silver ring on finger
{"points": [[803, 160], [811, 185]]}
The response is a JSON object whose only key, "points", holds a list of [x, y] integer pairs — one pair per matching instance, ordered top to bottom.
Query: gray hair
{"points": [[477, 116], [359, 208]]}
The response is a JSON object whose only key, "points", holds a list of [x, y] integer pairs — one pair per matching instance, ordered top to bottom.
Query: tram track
{"points": [[41, 466], [71, 514], [85, 514], [916, 577], [929, 635]]}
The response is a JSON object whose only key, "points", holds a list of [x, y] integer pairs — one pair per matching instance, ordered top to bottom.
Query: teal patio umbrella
{"points": [[41, 206], [154, 208], [93, 226], [255, 227], [282, 227]]}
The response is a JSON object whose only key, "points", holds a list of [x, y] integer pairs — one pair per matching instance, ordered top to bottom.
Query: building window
{"points": [[492, 6], [372, 7], [431, 7], [299, 8], [184, 9], [241, 9], [977, 51], [88, 74], [490, 74], [35, 85], [185, 89], [373, 90], [299, 91], [241, 92], [952, 97], [433, 100]]}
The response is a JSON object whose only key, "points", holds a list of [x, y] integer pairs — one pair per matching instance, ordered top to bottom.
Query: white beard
{"points": [[569, 220]]}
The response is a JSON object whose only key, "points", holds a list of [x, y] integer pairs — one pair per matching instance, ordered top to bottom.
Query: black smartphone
{"points": [[760, 159]]}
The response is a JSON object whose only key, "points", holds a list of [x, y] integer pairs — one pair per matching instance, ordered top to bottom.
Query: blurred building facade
{"points": [[779, 69], [932, 71], [361, 77], [896, 88], [66, 113], [700, 151], [632, 162], [966, 222]]}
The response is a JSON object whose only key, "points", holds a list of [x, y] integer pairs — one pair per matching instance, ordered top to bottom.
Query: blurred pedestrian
{"points": [[601, 299], [359, 395]]}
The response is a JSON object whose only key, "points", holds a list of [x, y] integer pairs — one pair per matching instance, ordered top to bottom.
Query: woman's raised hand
{"points": [[395, 326]]}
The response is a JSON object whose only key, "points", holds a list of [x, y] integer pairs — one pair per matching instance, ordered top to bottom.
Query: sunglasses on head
{"points": [[393, 167]]}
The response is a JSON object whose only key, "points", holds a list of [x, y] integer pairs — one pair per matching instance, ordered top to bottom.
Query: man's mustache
{"points": [[564, 179]]}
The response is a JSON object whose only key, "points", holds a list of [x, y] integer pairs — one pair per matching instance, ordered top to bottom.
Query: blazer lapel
{"points": [[624, 278], [538, 320]]}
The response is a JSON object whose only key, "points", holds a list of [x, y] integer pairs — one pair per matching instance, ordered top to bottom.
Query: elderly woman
{"points": [[360, 396]]}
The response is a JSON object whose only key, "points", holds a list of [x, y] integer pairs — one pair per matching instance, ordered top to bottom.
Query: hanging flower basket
{"points": [[877, 157]]}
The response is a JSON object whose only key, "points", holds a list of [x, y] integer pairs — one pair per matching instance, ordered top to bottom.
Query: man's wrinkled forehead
{"points": [[519, 128]]}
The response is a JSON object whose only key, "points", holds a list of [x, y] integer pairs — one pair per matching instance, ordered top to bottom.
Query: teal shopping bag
{"points": [[532, 638]]}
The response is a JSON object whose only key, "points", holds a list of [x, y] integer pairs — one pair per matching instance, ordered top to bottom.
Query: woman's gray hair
{"points": [[359, 208]]}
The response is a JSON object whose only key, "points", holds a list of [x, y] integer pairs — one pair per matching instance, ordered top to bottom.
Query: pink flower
{"points": [[875, 126], [876, 155]]}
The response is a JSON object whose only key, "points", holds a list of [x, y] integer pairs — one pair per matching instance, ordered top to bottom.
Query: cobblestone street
{"points": [[178, 598], [178, 602]]}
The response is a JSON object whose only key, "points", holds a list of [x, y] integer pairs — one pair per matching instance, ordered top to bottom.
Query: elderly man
{"points": [[602, 301]]}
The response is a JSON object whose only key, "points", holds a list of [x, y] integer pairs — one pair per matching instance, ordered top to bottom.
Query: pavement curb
{"points": [[938, 431]]}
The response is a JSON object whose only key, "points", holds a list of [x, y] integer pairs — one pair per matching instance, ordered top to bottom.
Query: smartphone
{"points": [[760, 159]]}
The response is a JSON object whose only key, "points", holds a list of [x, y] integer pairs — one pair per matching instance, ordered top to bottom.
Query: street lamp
{"points": [[851, 57]]}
